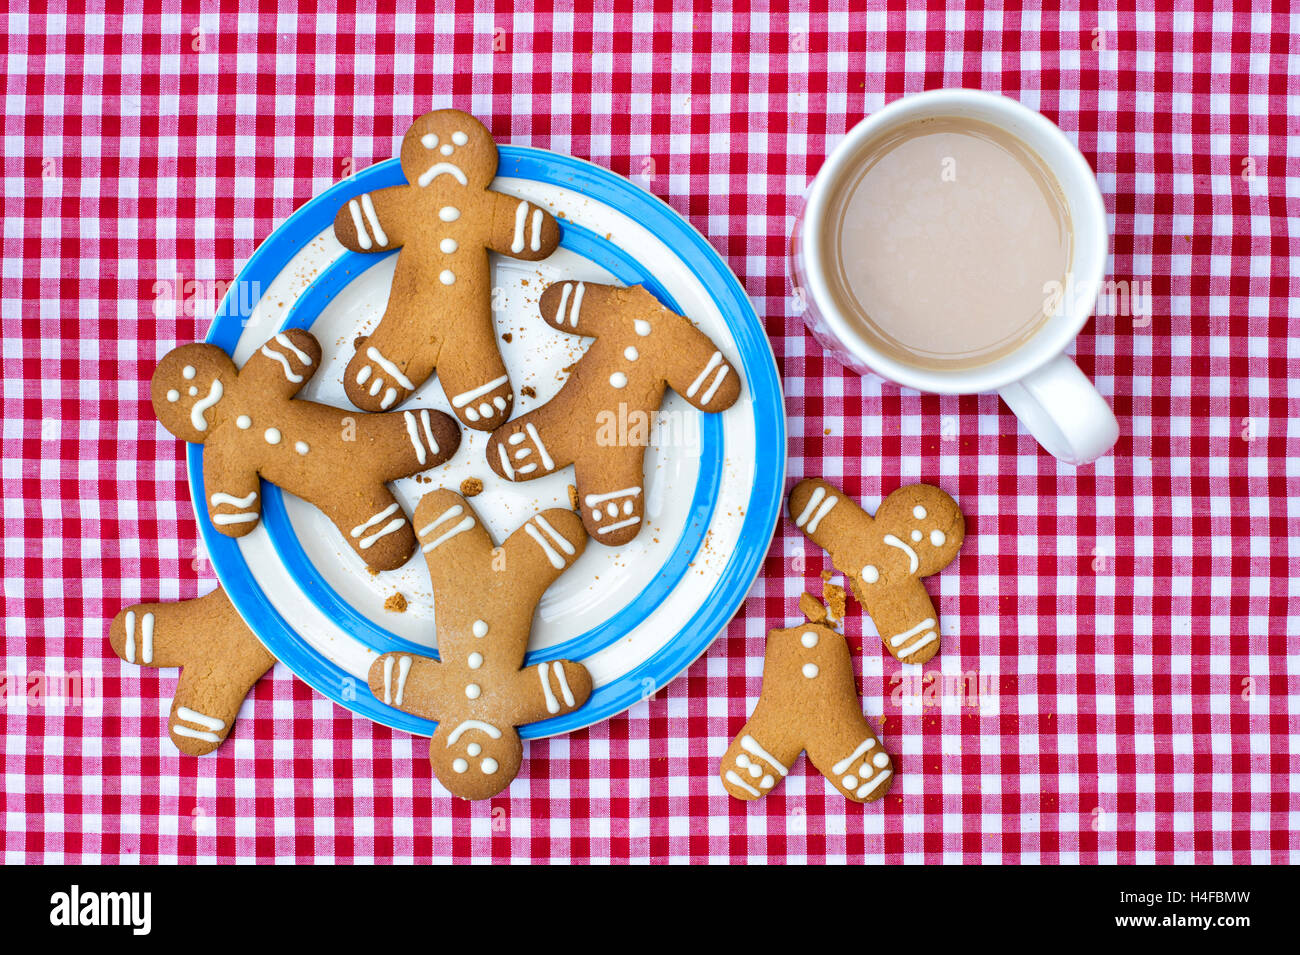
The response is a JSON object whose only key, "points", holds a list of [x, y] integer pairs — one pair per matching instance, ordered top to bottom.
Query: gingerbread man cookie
{"points": [[439, 313], [641, 348], [251, 424], [916, 532], [484, 599], [219, 657], [809, 701]]}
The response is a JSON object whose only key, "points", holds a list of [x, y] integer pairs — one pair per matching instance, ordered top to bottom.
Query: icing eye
{"points": [[459, 138], [429, 140], [188, 371], [173, 396], [243, 422], [937, 538], [870, 574], [460, 765], [489, 766]]}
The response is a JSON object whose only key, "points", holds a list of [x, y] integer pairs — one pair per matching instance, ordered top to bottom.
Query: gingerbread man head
{"points": [[448, 148], [187, 384], [916, 532], [484, 600]]}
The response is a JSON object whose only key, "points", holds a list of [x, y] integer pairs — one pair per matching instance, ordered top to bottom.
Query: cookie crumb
{"points": [[507, 337], [528, 392], [471, 487], [573, 499], [836, 599], [395, 604], [812, 608]]}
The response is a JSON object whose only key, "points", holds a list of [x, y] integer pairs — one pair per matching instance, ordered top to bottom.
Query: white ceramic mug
{"points": [[1042, 385]]}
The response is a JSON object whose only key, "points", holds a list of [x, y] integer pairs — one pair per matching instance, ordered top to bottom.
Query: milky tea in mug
{"points": [[945, 242]]}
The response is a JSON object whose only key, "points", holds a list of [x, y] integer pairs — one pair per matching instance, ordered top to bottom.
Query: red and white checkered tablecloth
{"points": [[1125, 634]]}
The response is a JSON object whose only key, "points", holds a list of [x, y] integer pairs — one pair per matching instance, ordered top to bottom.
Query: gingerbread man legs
{"points": [[219, 657], [809, 701]]}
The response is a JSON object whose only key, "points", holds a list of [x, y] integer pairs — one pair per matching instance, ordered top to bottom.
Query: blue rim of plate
{"points": [[304, 312], [762, 510]]}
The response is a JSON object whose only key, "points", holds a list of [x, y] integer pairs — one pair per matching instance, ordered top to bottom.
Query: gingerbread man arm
{"points": [[374, 221], [520, 229], [589, 308], [283, 365], [697, 369], [234, 498], [220, 658], [409, 682], [549, 689]]}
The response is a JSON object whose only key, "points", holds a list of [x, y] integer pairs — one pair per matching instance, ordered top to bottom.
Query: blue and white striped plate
{"points": [[637, 615]]}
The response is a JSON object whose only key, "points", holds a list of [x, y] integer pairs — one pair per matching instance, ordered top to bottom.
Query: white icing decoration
{"points": [[459, 138], [429, 140], [447, 149], [442, 169], [448, 213], [521, 216], [372, 217], [363, 239], [536, 243], [448, 246], [447, 277], [565, 290], [576, 309], [642, 327], [631, 354], [714, 360], [284, 363], [391, 369], [188, 372], [364, 374], [618, 380], [376, 386], [713, 388], [193, 392], [173, 396], [390, 396], [464, 398], [499, 402], [485, 410], [199, 422], [243, 422], [428, 430], [413, 433], [272, 435], [302, 447], [505, 462], [547, 462], [817, 494], [218, 499], [591, 500], [628, 507], [611, 509], [821, 512], [918, 512], [376, 519], [223, 520], [393, 525], [460, 528], [610, 528], [916, 537], [937, 538], [561, 541], [893, 541], [556, 560], [870, 574], [480, 628], [903, 637], [809, 639], [924, 641], [129, 650], [475, 660], [403, 670], [810, 670], [388, 680], [563, 682], [472, 691], [552, 704], [199, 719], [473, 725], [196, 734], [749, 744], [473, 749], [849, 760], [880, 760], [742, 761], [459, 765], [489, 766], [756, 771], [735, 780], [767, 782], [849, 782], [872, 785]]}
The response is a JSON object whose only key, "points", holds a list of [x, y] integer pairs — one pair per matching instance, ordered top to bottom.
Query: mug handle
{"points": [[1064, 411]]}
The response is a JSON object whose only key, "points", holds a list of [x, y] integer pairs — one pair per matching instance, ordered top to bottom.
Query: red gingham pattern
{"points": [[1124, 628]]}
